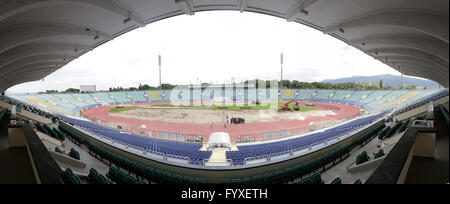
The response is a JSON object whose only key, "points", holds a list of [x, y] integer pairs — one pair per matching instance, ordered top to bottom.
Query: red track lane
{"points": [[253, 130]]}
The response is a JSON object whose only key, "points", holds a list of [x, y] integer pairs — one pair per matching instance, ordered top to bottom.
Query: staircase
{"points": [[218, 156]]}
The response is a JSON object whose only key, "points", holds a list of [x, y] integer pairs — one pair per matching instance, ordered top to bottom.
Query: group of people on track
{"points": [[236, 120]]}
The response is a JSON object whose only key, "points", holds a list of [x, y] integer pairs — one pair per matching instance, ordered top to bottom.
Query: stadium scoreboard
{"points": [[88, 88]]}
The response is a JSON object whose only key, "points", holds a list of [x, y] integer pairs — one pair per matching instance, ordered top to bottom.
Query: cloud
{"points": [[212, 46]]}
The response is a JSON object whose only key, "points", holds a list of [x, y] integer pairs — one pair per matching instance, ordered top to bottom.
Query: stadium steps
{"points": [[341, 94], [350, 95], [367, 95], [137, 96], [129, 97], [85, 98], [93, 98], [68, 99], [113, 99], [79, 100], [376, 102], [234, 147], [204, 148], [218, 156]]}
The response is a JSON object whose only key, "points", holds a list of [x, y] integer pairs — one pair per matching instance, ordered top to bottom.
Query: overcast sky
{"points": [[213, 47]]}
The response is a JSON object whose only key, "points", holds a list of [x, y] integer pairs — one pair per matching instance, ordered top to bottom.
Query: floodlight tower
{"points": [[159, 63], [281, 63], [403, 81]]}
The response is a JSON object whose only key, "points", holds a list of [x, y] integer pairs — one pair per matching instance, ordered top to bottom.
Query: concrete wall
{"points": [[67, 160]]}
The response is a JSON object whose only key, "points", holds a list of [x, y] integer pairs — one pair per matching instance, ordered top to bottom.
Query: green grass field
{"points": [[236, 107], [120, 109]]}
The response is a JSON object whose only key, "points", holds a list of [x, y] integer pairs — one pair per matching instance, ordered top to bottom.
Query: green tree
{"points": [[167, 86], [72, 90], [50, 91]]}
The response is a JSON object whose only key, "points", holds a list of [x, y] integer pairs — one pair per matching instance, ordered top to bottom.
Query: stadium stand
{"points": [[409, 36], [305, 94], [324, 94], [341, 94], [357, 95], [374, 95], [137, 96], [103, 97], [120, 97], [87, 98], [54, 99], [70, 99], [381, 100], [419, 101], [383, 103], [403, 126], [42, 129], [393, 130], [383, 132], [59, 134], [73, 136], [365, 138], [168, 148], [275, 148], [247, 154], [298, 171]]}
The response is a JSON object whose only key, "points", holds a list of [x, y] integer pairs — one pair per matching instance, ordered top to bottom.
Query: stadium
{"points": [[230, 133]]}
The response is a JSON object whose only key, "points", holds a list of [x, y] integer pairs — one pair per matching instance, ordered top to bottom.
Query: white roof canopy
{"points": [[219, 140]]}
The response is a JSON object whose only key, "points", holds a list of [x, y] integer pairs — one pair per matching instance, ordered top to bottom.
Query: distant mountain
{"points": [[388, 80]]}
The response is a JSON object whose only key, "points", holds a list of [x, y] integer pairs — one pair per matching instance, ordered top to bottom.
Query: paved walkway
{"points": [[218, 156]]}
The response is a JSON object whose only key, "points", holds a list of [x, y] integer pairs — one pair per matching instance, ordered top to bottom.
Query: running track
{"points": [[253, 130]]}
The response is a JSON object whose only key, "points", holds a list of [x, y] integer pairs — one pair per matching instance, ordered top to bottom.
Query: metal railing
{"points": [[229, 162]]}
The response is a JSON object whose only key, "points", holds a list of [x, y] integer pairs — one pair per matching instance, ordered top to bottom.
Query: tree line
{"points": [[286, 84], [143, 87], [70, 90]]}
